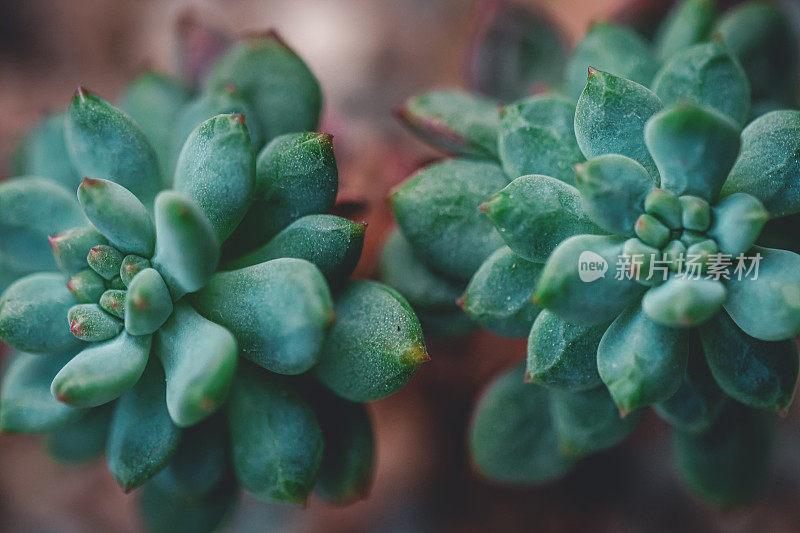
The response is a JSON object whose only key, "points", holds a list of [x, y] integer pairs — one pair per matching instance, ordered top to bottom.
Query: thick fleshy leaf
{"points": [[689, 22], [611, 48], [516, 51], [706, 75], [274, 79], [154, 101], [222, 101], [610, 118], [455, 121], [537, 136], [105, 143], [694, 149], [44, 153], [768, 164], [217, 170], [296, 175], [614, 189], [31, 210], [437, 210], [118, 214], [534, 214], [737, 221], [331, 243], [71, 248], [187, 249], [105, 260], [132, 265], [579, 283], [86, 286], [423, 288], [499, 296], [112, 302], [683, 302], [147, 303], [767, 306], [278, 311], [33, 314], [89, 322], [375, 347], [563, 355], [199, 359], [640, 361], [103, 371], [757, 373], [696, 404], [26, 405], [588, 421], [512, 437], [142, 438], [80, 441], [276, 441], [729, 464], [164, 512]]}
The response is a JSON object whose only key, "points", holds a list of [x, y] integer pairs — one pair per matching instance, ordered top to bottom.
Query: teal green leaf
{"points": [[689, 22], [610, 48], [610, 118], [454, 121], [537, 136], [105, 143], [694, 149], [44, 153], [768, 165], [217, 170], [31, 210], [437, 210], [118, 214], [534, 214], [736, 222], [331, 243], [71, 247], [105, 260], [132, 265], [86, 286], [499, 296], [599, 299], [112, 302], [683, 302], [147, 303], [278, 311], [33, 314], [89, 322], [375, 347], [563, 355], [199, 359], [640, 361], [103, 371], [757, 373], [26, 405], [512, 437], [142, 438], [80, 441], [276, 441], [163, 512]]}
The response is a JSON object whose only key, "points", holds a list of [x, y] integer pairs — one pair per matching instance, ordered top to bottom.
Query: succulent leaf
{"points": [[687, 23], [610, 118], [454, 121], [537, 136], [104, 142], [694, 149], [44, 153], [216, 169], [437, 210], [118, 214], [534, 214], [736, 222], [70, 248], [105, 260], [132, 265], [86, 286], [499, 296], [112, 302], [683, 302], [147, 303], [278, 311], [33, 314], [89, 322], [375, 347], [563, 355], [199, 359], [640, 361], [102, 372], [757, 373], [26, 405], [80, 441], [276, 441], [164, 512]]}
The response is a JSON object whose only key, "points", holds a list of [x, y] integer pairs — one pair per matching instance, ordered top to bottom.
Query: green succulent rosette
{"points": [[190, 314]]}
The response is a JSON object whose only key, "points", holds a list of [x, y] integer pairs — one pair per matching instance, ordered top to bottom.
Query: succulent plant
{"points": [[650, 177], [173, 262]]}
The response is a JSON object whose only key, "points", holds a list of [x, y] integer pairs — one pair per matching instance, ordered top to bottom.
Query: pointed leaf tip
{"points": [[592, 71], [81, 93]]}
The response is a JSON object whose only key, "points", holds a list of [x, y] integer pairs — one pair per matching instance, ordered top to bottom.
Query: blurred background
{"points": [[368, 55]]}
